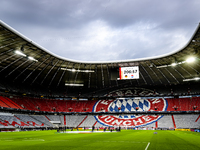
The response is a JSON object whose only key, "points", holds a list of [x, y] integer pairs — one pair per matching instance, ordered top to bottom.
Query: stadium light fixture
{"points": [[20, 53], [31, 58], [190, 60], [173, 64], [163, 66], [74, 70], [197, 78], [192, 79], [70, 84]]}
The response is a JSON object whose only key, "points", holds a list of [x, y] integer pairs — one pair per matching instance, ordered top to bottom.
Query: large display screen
{"points": [[129, 73]]}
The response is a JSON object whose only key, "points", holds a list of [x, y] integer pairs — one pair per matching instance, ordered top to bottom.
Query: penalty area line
{"points": [[147, 146]]}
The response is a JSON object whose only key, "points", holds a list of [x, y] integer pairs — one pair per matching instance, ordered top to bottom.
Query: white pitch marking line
{"points": [[32, 139], [147, 146]]}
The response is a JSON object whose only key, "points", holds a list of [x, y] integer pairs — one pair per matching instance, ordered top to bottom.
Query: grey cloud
{"points": [[104, 30]]}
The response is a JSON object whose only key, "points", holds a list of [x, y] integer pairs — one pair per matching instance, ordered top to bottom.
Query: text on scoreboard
{"points": [[129, 72]]}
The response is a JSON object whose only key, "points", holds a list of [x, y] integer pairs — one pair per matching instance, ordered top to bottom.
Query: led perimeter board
{"points": [[129, 73]]}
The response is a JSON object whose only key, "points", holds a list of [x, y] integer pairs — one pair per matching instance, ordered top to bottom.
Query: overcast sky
{"points": [[104, 30]]}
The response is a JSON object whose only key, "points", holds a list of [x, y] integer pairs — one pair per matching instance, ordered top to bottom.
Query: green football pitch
{"points": [[124, 140]]}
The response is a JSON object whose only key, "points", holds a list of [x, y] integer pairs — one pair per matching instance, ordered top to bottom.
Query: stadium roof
{"points": [[23, 61]]}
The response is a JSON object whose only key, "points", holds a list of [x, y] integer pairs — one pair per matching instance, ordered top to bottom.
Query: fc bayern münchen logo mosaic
{"points": [[129, 105]]}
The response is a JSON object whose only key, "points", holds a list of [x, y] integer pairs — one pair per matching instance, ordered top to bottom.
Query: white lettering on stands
{"points": [[128, 92], [119, 93], [155, 101], [104, 102], [103, 116], [146, 118], [106, 120], [139, 121], [117, 122], [127, 124]]}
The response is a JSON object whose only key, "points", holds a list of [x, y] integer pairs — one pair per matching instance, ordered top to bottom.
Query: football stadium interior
{"points": [[40, 90]]}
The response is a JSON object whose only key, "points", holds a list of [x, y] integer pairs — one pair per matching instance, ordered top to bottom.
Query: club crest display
{"points": [[129, 105]]}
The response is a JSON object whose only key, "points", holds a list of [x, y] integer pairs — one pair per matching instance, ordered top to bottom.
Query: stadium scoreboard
{"points": [[129, 73]]}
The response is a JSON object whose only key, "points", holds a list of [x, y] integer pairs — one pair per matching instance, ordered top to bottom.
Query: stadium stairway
{"points": [[10, 103], [2, 104], [47, 118], [197, 118], [65, 120], [82, 121], [89, 121], [95, 123], [174, 123]]}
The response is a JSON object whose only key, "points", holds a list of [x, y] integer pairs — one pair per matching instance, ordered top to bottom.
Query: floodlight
{"points": [[20, 53], [31, 58], [190, 59], [174, 64], [74, 70], [197, 78], [192, 79], [68, 84]]}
